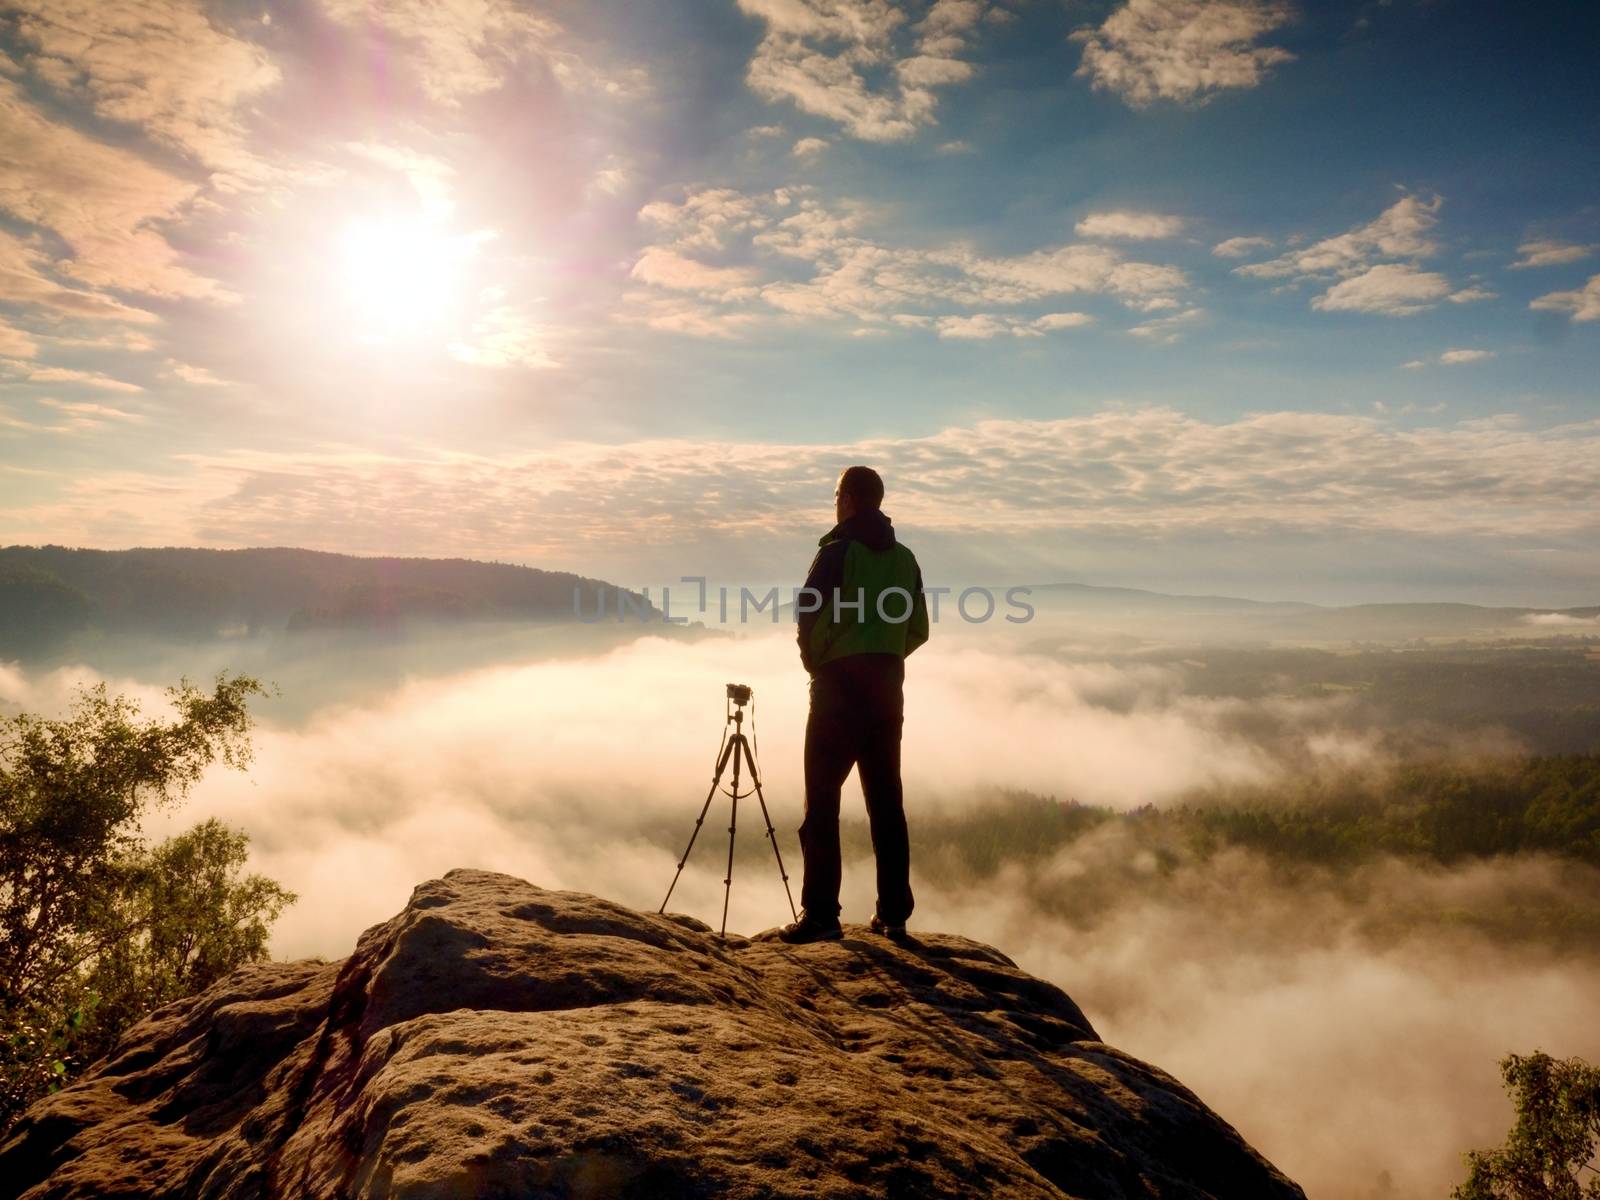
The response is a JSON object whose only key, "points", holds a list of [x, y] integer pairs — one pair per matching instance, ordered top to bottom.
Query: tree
{"points": [[194, 919], [97, 928], [1549, 1153]]}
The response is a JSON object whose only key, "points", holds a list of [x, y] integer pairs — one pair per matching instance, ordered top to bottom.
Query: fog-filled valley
{"points": [[1327, 885]]}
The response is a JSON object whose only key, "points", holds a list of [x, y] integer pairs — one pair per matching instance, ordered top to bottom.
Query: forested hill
{"points": [[49, 594]]}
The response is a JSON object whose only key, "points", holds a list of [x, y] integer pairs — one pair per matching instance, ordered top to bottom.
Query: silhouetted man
{"points": [[862, 612]]}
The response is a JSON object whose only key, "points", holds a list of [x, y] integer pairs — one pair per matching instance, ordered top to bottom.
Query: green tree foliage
{"points": [[1440, 811], [194, 919], [96, 927], [1550, 1152]]}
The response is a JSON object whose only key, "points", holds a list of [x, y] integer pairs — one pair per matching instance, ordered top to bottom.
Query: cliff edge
{"points": [[495, 1039]]}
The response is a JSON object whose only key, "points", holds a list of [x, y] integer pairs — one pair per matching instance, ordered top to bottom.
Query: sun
{"points": [[403, 276]]}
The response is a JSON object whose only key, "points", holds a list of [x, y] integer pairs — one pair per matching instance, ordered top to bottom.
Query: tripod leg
{"points": [[738, 748], [699, 821], [772, 836]]}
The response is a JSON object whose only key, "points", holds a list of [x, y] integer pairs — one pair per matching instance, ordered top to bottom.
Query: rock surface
{"points": [[499, 1040]]}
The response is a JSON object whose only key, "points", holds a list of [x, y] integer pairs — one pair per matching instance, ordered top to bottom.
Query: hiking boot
{"points": [[807, 929], [895, 933]]}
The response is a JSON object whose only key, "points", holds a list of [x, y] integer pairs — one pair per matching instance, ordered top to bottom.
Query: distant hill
{"points": [[49, 594], [1089, 597], [1104, 608]]}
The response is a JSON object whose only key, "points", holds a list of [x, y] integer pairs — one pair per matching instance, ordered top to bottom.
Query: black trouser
{"points": [[857, 710]]}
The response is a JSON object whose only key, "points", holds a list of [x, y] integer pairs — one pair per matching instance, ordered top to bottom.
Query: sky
{"points": [[1285, 300]]}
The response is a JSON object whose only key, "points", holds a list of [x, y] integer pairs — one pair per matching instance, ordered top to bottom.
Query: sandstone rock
{"points": [[499, 1040]]}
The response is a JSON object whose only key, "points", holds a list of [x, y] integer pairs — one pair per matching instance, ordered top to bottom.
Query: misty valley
{"points": [[1121, 474], [1363, 854]]}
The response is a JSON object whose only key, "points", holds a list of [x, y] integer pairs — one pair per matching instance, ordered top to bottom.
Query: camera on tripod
{"points": [[737, 750]]}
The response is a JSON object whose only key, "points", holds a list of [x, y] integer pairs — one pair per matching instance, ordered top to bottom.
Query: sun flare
{"points": [[403, 276]]}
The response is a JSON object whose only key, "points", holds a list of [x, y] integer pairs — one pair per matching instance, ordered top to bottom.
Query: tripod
{"points": [[738, 749]]}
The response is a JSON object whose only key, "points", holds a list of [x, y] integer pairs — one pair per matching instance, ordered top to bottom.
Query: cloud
{"points": [[461, 50], [1181, 50], [862, 63], [160, 65], [809, 147], [613, 176], [431, 178], [102, 201], [712, 218], [1130, 225], [1402, 231], [777, 237], [1240, 247], [1549, 254], [1364, 262], [669, 269], [24, 280], [1391, 289], [1584, 305], [681, 315], [1063, 320], [983, 326], [979, 327], [1166, 330], [506, 336], [130, 340], [16, 343], [1449, 358], [196, 376], [94, 379], [94, 411], [75, 418], [16, 426], [1143, 478], [1555, 620], [409, 778], [1268, 976]]}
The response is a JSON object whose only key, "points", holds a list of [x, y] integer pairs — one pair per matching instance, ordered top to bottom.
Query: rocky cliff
{"points": [[498, 1040]]}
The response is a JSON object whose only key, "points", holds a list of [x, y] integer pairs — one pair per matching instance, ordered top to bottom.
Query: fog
{"points": [[1356, 1056], [1361, 1061]]}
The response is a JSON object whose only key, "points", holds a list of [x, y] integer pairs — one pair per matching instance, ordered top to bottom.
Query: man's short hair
{"points": [[863, 485]]}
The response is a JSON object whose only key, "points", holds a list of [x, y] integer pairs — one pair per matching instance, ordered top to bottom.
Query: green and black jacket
{"points": [[860, 559]]}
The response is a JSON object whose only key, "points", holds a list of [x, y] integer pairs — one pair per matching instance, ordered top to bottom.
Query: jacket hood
{"points": [[872, 529]]}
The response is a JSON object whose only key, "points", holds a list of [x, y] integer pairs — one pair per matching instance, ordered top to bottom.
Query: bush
{"points": [[96, 927], [1551, 1146]]}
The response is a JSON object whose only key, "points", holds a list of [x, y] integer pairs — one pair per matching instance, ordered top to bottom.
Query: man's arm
{"points": [[824, 578], [917, 623]]}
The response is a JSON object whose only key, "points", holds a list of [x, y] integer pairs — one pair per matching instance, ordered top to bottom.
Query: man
{"points": [[861, 613]]}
